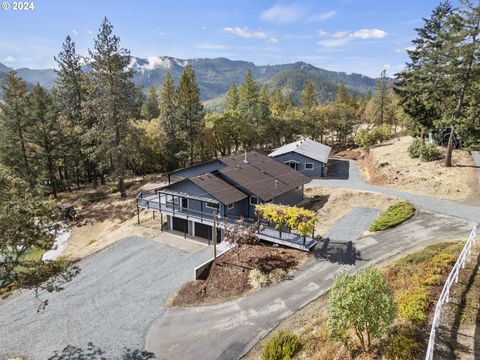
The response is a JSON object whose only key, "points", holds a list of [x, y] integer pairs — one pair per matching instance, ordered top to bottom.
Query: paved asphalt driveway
{"points": [[103, 313]]}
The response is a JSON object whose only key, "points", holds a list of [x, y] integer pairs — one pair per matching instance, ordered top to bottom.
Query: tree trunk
{"points": [[448, 157], [121, 187]]}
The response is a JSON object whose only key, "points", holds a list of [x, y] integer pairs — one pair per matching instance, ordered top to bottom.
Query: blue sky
{"points": [[363, 36]]}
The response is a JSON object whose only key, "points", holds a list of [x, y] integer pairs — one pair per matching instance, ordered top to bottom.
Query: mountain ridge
{"points": [[215, 75]]}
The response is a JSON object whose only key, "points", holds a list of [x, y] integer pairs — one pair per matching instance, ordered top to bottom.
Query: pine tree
{"points": [[341, 96], [113, 99], [248, 100], [308, 100], [231, 105], [150, 108], [189, 109], [168, 124], [14, 125], [45, 133]]}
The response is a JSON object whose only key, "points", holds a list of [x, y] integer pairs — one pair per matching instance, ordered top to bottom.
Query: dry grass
{"points": [[389, 164], [341, 201]]}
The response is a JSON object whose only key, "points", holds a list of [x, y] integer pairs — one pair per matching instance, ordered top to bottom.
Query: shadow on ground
{"points": [[338, 169], [337, 252], [92, 352]]}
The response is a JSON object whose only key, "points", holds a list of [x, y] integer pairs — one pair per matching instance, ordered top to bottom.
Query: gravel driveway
{"points": [[352, 225], [105, 311]]}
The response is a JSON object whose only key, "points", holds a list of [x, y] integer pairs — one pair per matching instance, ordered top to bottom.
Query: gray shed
{"points": [[306, 156]]}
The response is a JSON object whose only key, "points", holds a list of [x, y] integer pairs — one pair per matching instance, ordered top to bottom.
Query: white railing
{"points": [[444, 295]]}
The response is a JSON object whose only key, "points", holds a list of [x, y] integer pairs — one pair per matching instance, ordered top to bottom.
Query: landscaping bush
{"points": [[367, 138], [414, 148], [429, 152], [394, 215], [277, 275], [257, 279], [413, 305], [402, 345], [283, 346]]}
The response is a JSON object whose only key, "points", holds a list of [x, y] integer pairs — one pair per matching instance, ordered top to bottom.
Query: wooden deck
{"points": [[287, 239]]}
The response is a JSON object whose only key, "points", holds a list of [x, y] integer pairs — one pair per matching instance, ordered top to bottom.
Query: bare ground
{"points": [[389, 164], [338, 202], [228, 277]]}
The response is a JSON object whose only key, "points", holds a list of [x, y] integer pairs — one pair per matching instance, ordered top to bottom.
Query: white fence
{"points": [[444, 295]]}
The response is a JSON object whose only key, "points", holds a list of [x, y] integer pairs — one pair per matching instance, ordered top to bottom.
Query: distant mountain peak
{"points": [[151, 63]]}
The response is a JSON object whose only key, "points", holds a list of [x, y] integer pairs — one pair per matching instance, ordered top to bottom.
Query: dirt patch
{"points": [[389, 164], [341, 201], [228, 277]]}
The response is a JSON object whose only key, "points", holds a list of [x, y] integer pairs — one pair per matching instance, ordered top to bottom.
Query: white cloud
{"points": [[283, 14], [322, 16], [75, 32], [90, 32], [322, 33], [249, 34], [369, 34], [340, 38], [209, 46], [9, 59]]}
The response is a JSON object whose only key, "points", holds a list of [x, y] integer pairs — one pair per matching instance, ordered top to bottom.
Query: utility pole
{"points": [[214, 235]]}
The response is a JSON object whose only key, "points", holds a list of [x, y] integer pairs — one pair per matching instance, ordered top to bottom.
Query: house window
{"points": [[293, 164], [308, 166], [253, 200], [184, 203], [211, 205], [230, 206]]}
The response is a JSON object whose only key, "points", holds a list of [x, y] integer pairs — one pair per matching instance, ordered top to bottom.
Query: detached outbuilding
{"points": [[306, 156]]}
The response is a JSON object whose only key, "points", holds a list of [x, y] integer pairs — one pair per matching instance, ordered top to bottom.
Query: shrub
{"points": [[364, 139], [414, 148], [429, 152], [394, 215], [277, 275], [257, 279], [432, 280], [413, 304], [402, 345], [282, 346]]}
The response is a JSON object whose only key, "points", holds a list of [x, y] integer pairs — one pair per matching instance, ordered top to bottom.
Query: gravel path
{"points": [[337, 180], [352, 225], [105, 310]]}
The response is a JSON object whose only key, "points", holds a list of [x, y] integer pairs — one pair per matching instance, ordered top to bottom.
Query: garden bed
{"points": [[229, 276]]}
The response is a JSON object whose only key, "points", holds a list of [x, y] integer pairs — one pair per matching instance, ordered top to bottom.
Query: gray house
{"points": [[306, 156], [226, 189]]}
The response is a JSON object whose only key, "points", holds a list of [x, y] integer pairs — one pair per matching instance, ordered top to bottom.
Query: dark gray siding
{"points": [[318, 166], [186, 186], [292, 197]]}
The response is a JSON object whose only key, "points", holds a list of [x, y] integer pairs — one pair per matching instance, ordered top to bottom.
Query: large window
{"points": [[210, 205]]}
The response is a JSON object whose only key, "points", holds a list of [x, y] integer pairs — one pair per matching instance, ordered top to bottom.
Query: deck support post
{"points": [[153, 213], [138, 215], [161, 222], [214, 236]]}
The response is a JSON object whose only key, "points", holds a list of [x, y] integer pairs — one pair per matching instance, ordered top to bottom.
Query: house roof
{"points": [[312, 149], [261, 175], [219, 189]]}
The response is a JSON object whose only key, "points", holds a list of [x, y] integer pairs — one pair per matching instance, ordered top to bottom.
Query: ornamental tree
{"points": [[292, 217], [362, 302]]}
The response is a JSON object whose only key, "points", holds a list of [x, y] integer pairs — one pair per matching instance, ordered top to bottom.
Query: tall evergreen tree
{"points": [[341, 96], [113, 99], [248, 100], [308, 100], [231, 104], [150, 108], [189, 109], [168, 124], [14, 125], [46, 133]]}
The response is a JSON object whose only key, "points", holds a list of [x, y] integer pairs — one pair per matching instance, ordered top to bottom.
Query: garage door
{"points": [[180, 224], [205, 231]]}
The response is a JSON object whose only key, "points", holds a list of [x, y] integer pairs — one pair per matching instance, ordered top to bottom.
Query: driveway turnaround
{"points": [[345, 174], [352, 225], [105, 311], [229, 330]]}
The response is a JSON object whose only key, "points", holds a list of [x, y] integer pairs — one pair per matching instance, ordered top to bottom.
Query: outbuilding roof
{"points": [[309, 148]]}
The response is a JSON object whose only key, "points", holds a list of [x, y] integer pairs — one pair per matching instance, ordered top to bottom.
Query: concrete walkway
{"points": [[354, 181], [229, 330]]}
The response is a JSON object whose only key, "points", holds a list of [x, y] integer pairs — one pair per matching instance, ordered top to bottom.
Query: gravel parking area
{"points": [[352, 225], [105, 311]]}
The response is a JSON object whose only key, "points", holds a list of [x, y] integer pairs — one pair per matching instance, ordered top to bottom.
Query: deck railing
{"points": [[444, 295]]}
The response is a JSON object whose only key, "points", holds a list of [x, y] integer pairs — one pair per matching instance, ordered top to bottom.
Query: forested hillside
{"points": [[214, 77]]}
